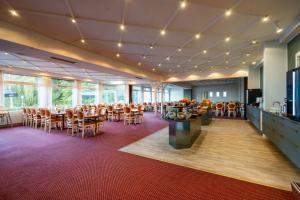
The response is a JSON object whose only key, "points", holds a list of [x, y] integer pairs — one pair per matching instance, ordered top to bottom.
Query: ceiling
{"points": [[98, 23], [215, 82]]}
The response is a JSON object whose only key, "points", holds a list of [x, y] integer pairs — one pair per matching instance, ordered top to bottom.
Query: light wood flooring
{"points": [[231, 148]]}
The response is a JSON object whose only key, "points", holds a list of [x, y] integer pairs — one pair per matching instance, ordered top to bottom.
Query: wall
{"points": [[293, 48], [274, 76], [254, 78], [234, 92], [187, 93], [176, 94]]}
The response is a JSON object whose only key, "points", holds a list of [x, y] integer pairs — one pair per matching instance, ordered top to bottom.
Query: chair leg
{"points": [[82, 133]]}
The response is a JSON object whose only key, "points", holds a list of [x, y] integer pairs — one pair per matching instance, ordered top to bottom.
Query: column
{"points": [[274, 76], [45, 92], [100, 92], [162, 93], [76, 96], [126, 98]]}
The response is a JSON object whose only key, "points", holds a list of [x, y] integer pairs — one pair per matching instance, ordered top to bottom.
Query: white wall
{"points": [[274, 77], [254, 78], [234, 92], [176, 94]]}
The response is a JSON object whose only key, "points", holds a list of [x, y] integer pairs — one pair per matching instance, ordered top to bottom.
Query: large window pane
{"points": [[120, 90], [20, 91], [62, 93], [88, 93], [136, 94], [108, 95], [147, 95]]}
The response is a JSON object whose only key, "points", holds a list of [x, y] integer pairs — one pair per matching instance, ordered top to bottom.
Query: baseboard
{"points": [[13, 125]]}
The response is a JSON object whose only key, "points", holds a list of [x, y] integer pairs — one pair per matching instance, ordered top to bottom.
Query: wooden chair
{"points": [[219, 109], [231, 109], [111, 115], [128, 116], [139, 116], [24, 117], [29, 117], [43, 117], [36, 118], [51, 120], [71, 122], [84, 124]]}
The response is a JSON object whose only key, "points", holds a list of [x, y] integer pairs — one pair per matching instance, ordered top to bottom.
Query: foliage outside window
{"points": [[20, 91], [62, 92], [88, 93], [147, 95]]}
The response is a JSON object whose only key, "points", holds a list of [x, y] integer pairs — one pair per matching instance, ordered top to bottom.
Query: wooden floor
{"points": [[231, 148]]}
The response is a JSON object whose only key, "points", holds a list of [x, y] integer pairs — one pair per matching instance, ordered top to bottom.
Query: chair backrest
{"points": [[131, 105], [219, 105], [231, 106], [110, 108], [140, 108], [127, 109], [24, 110], [33, 111], [102, 111], [42, 112], [47, 113], [69, 114], [80, 115]]}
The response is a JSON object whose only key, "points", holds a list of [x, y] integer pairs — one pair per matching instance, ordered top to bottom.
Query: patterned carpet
{"points": [[37, 165]]}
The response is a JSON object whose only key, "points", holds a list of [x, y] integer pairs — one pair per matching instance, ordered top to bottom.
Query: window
{"points": [[20, 91], [62, 92], [88, 93], [120, 93], [137, 94], [211, 94], [217, 94], [224, 94], [108, 95], [147, 95], [167, 95]]}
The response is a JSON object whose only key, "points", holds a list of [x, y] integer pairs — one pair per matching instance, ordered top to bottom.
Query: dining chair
{"points": [[219, 109], [231, 109], [111, 114], [139, 115], [128, 116], [24, 117], [43, 117], [36, 118], [52, 121], [71, 122], [84, 124]]}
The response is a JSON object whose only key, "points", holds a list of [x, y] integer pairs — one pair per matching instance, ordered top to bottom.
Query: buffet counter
{"points": [[280, 130]]}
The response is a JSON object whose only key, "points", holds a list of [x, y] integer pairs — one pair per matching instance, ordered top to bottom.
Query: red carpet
{"points": [[37, 165]]}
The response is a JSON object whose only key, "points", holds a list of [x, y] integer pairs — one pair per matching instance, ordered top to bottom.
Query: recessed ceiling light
{"points": [[183, 4], [14, 13], [228, 13], [265, 18], [73, 21], [122, 27], [279, 30], [163, 32], [197, 36], [227, 39], [82, 41], [254, 42], [119, 44], [151, 47], [179, 49], [204, 51], [5, 53], [227, 53], [248, 54], [118, 55], [144, 57], [168, 58], [24, 61], [209, 61], [226, 61], [243, 62], [253, 63], [139, 64], [159, 64], [178, 66], [196, 66], [153, 69]]}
